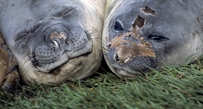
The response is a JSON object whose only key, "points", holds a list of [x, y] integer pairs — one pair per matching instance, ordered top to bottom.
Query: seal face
{"points": [[139, 35], [51, 40]]}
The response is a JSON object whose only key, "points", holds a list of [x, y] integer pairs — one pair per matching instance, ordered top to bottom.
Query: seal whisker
{"points": [[92, 32], [105, 45], [24, 57], [26, 61], [25, 66], [28, 67], [26, 70]]}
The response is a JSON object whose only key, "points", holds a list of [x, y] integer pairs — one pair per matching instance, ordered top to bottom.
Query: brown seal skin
{"points": [[140, 35], [53, 41], [9, 77]]}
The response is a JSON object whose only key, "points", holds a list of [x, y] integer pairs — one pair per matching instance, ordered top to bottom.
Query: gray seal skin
{"points": [[142, 34], [53, 40]]}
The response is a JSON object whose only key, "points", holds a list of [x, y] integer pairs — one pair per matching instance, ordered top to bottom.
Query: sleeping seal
{"points": [[142, 34], [53, 41]]}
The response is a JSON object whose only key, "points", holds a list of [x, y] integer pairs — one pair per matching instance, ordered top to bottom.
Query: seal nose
{"points": [[57, 39], [116, 58], [119, 59]]}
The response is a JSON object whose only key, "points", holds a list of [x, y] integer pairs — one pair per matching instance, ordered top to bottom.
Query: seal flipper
{"points": [[2, 64], [8, 68], [11, 81]]}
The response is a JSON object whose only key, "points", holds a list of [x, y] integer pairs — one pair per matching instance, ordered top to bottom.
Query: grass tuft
{"points": [[180, 87]]}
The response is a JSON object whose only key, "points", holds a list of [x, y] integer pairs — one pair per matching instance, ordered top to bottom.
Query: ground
{"points": [[180, 87]]}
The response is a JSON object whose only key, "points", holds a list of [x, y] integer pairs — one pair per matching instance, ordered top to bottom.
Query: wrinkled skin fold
{"points": [[142, 34], [53, 41]]}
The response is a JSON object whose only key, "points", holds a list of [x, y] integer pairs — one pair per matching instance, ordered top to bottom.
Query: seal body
{"points": [[142, 34], [53, 41], [9, 77]]}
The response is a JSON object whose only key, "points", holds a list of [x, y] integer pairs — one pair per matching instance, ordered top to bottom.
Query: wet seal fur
{"points": [[142, 34], [53, 41]]}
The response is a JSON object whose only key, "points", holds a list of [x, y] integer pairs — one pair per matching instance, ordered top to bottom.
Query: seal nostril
{"points": [[67, 42], [56, 43], [116, 58]]}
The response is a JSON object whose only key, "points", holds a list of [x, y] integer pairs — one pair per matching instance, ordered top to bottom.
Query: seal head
{"points": [[139, 35], [53, 41]]}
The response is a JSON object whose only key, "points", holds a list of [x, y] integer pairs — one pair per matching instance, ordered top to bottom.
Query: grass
{"points": [[180, 87]]}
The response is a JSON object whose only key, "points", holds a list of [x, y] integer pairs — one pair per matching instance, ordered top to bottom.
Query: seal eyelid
{"points": [[67, 11], [36, 26], [118, 26], [27, 32], [21, 35], [157, 38]]}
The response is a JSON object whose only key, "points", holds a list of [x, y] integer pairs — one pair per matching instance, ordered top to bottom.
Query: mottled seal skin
{"points": [[142, 34], [53, 41], [9, 77]]}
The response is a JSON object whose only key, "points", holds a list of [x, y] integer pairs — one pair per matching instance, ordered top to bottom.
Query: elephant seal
{"points": [[142, 34], [53, 41]]}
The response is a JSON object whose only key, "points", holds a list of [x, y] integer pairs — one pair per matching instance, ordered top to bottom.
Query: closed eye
{"points": [[67, 11], [118, 26], [25, 33], [20, 35], [158, 38]]}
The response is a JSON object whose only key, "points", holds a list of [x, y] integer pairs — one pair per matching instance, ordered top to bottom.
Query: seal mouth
{"points": [[54, 65], [134, 65], [57, 69]]}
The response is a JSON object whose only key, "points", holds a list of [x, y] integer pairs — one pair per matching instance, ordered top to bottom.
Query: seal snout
{"points": [[57, 39], [131, 44], [60, 46], [128, 47], [48, 54], [132, 54], [45, 55]]}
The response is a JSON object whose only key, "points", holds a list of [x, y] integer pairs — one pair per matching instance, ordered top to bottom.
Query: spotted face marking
{"points": [[148, 11], [138, 24], [144, 34], [126, 49]]}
